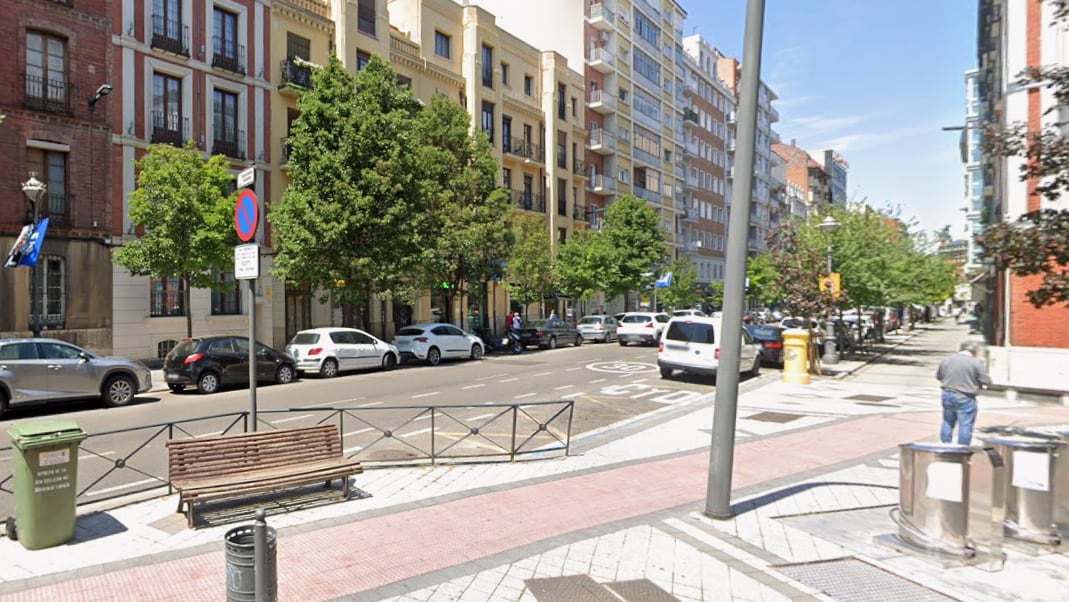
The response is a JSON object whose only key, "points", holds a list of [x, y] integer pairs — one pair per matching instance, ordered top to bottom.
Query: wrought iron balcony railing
{"points": [[170, 35], [228, 54], [296, 75], [50, 95], [169, 128], [228, 141]]}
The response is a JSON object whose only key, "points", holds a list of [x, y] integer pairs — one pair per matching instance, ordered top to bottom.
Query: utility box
{"points": [[45, 468]]}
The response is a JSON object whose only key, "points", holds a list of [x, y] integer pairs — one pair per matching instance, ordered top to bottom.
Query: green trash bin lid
{"points": [[44, 432]]}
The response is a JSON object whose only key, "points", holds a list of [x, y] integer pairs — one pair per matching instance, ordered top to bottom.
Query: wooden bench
{"points": [[233, 466]]}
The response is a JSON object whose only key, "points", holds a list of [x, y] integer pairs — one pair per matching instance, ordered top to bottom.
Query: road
{"points": [[608, 384]]}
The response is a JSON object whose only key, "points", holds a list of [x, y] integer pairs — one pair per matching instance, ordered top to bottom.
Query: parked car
{"points": [[688, 312], [641, 327], [601, 329], [550, 333], [770, 338], [434, 341], [692, 344], [328, 351], [210, 363], [40, 370]]}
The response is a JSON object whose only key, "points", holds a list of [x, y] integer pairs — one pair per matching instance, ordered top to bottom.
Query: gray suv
{"points": [[44, 370]]}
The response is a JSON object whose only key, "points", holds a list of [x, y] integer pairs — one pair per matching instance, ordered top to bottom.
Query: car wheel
{"points": [[579, 341], [622, 342], [552, 343], [476, 351], [434, 357], [389, 362], [756, 367], [329, 369], [666, 372], [284, 375], [208, 382], [176, 388], [119, 391], [3, 402]]}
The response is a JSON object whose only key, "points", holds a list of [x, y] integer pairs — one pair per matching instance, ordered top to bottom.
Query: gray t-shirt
{"points": [[963, 373]]}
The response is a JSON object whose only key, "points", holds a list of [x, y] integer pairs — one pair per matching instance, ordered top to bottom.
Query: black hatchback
{"points": [[770, 338], [212, 362]]}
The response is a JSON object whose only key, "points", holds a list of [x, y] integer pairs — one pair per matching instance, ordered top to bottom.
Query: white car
{"points": [[688, 312], [641, 327], [432, 342], [692, 344], [328, 351]]}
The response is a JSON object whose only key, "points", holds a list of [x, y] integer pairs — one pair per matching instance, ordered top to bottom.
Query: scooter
{"points": [[496, 344]]}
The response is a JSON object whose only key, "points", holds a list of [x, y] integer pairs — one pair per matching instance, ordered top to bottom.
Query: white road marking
{"points": [[573, 369], [543, 374], [493, 376], [507, 380], [597, 381], [472, 387], [564, 387], [425, 395], [524, 395], [331, 403], [369, 404], [481, 416], [301, 417], [350, 433], [414, 433], [355, 448], [85, 455], [124, 486]]}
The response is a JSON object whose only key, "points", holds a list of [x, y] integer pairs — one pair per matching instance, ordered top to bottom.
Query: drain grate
{"points": [[864, 397], [780, 417], [852, 579]]}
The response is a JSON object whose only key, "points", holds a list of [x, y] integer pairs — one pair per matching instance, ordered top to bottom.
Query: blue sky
{"points": [[874, 80]]}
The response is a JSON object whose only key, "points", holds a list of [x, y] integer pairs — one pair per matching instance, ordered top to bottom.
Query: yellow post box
{"points": [[796, 356]]}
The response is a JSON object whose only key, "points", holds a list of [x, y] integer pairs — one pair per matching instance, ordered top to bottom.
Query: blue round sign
{"points": [[246, 215]]}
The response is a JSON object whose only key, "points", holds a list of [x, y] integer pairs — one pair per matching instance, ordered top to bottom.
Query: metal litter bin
{"points": [[45, 467], [1031, 481], [933, 492], [241, 565]]}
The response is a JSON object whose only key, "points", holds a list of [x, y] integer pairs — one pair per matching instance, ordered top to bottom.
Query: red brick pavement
{"points": [[370, 553]]}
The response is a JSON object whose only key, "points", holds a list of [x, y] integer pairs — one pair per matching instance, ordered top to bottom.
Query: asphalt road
{"points": [[607, 382]]}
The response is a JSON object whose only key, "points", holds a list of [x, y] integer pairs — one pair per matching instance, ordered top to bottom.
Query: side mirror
{"points": [[83, 356]]}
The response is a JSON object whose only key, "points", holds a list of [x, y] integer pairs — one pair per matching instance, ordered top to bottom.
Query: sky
{"points": [[874, 80]]}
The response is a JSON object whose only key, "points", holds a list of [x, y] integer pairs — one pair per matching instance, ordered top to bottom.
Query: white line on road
{"points": [[573, 369], [543, 374], [492, 376], [507, 380], [640, 380], [597, 381], [472, 387], [563, 387], [425, 395], [524, 395], [369, 404], [481, 416], [301, 417], [350, 433], [414, 433], [352, 449], [86, 456], [125, 486]]}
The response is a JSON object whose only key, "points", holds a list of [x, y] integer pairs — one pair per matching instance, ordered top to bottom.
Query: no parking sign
{"points": [[246, 215]]}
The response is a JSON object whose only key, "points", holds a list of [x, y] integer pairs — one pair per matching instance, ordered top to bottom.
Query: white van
{"points": [[691, 344]]}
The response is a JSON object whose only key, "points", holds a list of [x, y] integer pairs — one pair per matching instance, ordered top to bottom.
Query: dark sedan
{"points": [[550, 333], [770, 337], [212, 362]]}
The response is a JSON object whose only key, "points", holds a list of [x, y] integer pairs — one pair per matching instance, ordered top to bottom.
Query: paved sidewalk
{"points": [[815, 474]]}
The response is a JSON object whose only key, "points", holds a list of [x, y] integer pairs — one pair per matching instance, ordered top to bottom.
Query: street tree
{"points": [[184, 209], [468, 212], [354, 221], [633, 229], [585, 264], [529, 269], [763, 280], [683, 291], [714, 296]]}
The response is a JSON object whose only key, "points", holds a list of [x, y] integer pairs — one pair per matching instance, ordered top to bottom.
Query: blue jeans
{"points": [[958, 408]]}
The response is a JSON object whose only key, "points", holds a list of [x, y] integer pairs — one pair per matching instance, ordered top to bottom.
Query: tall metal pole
{"points": [[35, 294], [252, 348], [831, 350], [722, 449]]}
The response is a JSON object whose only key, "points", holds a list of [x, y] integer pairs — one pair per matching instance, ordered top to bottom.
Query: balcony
{"points": [[601, 18], [170, 36], [228, 55], [601, 59], [295, 76], [49, 95], [601, 101], [690, 116], [730, 117], [169, 128], [228, 141], [602, 142], [729, 146], [522, 148], [562, 157], [579, 168], [729, 173], [691, 182], [601, 184], [650, 195], [529, 201], [562, 207], [55, 208], [579, 213], [687, 213]]}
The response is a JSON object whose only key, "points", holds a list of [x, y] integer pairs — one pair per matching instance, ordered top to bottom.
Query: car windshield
{"points": [[635, 319], [590, 320], [536, 324], [409, 331], [765, 333], [305, 338], [185, 347]]}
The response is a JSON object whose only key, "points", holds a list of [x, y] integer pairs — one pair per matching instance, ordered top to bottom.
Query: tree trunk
{"points": [[187, 308]]}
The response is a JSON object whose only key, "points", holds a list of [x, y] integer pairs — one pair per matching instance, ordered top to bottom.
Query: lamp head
{"points": [[102, 91], [33, 188], [829, 225]]}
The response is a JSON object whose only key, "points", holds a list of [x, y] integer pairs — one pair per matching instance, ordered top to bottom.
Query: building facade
{"points": [[58, 128], [837, 169], [807, 176]]}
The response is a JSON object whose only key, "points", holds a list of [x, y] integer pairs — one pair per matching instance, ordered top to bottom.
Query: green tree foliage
{"points": [[184, 207], [468, 210], [356, 212], [632, 228], [797, 261], [585, 264], [529, 270], [763, 278], [683, 292], [715, 295]]}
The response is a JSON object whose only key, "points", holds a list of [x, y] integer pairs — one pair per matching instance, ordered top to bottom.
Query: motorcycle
{"points": [[497, 344]]}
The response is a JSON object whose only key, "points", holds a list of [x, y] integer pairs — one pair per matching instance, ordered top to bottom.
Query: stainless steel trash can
{"points": [[1032, 472], [933, 505], [241, 566]]}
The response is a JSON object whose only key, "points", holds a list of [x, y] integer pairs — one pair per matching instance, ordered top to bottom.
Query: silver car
{"points": [[599, 328], [327, 351], [41, 370]]}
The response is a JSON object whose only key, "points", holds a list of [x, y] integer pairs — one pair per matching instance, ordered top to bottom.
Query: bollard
{"points": [[251, 574]]}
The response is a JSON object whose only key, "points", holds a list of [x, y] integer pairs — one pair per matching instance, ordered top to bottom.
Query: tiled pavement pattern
{"points": [[622, 516]]}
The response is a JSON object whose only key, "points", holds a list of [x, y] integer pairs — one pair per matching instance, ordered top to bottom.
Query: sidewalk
{"points": [[621, 518]]}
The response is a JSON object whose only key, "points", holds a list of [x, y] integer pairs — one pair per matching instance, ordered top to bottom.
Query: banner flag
{"points": [[33, 246], [664, 281]]}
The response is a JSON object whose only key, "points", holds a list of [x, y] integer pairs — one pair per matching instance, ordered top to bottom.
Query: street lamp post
{"points": [[34, 190], [831, 352]]}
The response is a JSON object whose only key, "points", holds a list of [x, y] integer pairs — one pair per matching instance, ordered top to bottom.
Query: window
{"points": [[365, 14], [167, 30], [647, 30], [225, 41], [442, 45], [298, 47], [362, 59], [488, 66], [647, 67], [46, 72], [504, 74], [404, 82], [528, 85], [561, 105], [488, 120], [168, 125], [506, 133], [227, 136], [562, 150], [51, 169], [506, 178], [562, 196], [53, 291], [167, 297], [226, 300]]}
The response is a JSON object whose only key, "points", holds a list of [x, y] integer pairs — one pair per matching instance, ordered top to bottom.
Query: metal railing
{"points": [[170, 35], [228, 54], [294, 74], [51, 95], [169, 128], [228, 141], [525, 149], [529, 201], [115, 464]]}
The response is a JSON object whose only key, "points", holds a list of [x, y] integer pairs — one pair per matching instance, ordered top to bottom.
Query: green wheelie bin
{"points": [[45, 467]]}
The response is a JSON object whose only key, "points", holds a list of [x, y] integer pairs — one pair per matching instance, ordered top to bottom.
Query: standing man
{"points": [[515, 322], [960, 377]]}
